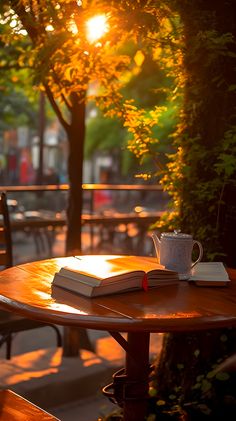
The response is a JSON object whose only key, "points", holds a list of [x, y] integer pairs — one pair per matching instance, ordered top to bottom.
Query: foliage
{"points": [[50, 40], [196, 50], [64, 62], [147, 85], [19, 101], [16, 106], [15, 110], [151, 113], [103, 133], [205, 159], [195, 380], [212, 399]]}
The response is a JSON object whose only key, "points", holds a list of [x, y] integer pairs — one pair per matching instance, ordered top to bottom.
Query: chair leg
{"points": [[59, 337], [7, 338], [3, 339], [8, 346]]}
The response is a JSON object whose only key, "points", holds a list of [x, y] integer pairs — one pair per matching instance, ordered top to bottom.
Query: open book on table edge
{"points": [[209, 274], [102, 275]]}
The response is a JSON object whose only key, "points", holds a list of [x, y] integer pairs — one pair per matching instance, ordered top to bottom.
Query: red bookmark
{"points": [[145, 282]]}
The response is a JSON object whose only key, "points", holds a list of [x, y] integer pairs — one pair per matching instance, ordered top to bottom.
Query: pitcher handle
{"points": [[156, 245], [200, 253]]}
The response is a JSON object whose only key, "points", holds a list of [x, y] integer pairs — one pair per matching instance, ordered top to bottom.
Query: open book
{"points": [[209, 274], [96, 275]]}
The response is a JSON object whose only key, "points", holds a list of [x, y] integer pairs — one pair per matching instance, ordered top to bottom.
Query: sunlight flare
{"points": [[96, 27]]}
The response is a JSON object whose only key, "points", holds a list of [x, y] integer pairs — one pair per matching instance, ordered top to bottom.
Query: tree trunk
{"points": [[208, 102], [209, 116], [76, 136], [75, 339]]}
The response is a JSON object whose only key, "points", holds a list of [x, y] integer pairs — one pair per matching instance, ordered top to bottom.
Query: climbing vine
{"points": [[196, 47]]}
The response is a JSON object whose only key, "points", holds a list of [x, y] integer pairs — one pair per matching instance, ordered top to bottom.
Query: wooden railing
{"points": [[85, 186], [90, 188]]}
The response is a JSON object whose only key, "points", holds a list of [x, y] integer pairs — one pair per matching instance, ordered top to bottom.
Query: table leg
{"points": [[137, 372], [130, 385]]}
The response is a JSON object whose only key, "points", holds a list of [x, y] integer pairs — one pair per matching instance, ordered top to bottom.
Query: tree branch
{"points": [[23, 15], [64, 99], [56, 108]]}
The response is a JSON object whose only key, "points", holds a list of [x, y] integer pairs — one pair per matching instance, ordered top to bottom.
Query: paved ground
{"points": [[38, 372], [67, 387], [70, 388], [88, 409]]}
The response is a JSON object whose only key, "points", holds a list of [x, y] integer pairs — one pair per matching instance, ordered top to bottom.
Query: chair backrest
{"points": [[6, 258]]}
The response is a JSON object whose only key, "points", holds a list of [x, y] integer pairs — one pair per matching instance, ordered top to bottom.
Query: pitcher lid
{"points": [[176, 235]]}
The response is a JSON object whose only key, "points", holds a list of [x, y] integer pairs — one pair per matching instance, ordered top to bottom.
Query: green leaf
{"points": [[223, 338], [196, 353], [180, 366], [211, 374], [222, 376], [206, 386], [152, 392], [160, 402]]}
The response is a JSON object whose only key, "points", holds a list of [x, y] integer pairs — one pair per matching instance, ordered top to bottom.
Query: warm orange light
{"points": [[96, 27]]}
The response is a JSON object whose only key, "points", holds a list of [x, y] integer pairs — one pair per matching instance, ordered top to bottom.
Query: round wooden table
{"points": [[27, 289]]}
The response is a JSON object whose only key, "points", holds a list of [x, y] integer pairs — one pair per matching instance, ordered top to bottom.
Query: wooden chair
{"points": [[11, 323], [15, 408]]}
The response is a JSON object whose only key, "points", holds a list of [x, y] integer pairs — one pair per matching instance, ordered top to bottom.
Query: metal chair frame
{"points": [[11, 323]]}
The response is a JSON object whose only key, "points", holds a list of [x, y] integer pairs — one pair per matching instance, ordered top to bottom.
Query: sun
{"points": [[96, 27]]}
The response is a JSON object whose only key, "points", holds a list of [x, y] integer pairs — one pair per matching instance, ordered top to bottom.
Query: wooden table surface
{"points": [[27, 289]]}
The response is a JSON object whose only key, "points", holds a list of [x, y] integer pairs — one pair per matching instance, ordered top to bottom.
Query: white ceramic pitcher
{"points": [[174, 251]]}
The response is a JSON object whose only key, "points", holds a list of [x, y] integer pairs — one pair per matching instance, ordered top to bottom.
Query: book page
{"points": [[133, 263], [100, 267]]}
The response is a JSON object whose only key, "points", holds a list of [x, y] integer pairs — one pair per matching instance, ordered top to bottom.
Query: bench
{"points": [[15, 408]]}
